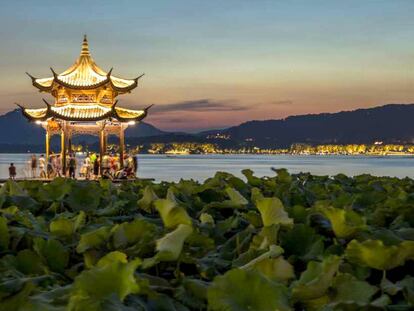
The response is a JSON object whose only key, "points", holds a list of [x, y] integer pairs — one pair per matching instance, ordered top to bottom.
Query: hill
{"points": [[390, 123], [16, 131]]}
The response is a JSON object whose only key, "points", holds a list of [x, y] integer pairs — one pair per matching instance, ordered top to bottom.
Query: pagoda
{"points": [[84, 103]]}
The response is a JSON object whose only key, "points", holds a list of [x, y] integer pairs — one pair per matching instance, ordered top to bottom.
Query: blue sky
{"points": [[218, 63]]}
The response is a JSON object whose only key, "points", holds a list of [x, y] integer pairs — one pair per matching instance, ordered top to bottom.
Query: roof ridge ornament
{"points": [[85, 47], [54, 72], [109, 72], [31, 77], [139, 77], [47, 104], [20, 106], [113, 107], [147, 108]]}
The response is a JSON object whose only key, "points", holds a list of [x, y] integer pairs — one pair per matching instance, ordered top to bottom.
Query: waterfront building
{"points": [[85, 102]]}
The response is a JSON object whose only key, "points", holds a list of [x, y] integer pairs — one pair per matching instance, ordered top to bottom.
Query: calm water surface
{"points": [[200, 167]]}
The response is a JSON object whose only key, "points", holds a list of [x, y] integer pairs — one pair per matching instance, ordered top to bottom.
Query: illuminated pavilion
{"points": [[85, 103]]}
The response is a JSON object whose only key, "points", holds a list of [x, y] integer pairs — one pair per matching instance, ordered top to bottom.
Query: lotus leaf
{"points": [[84, 196], [147, 200], [273, 212], [171, 213], [345, 222], [93, 239], [302, 241], [169, 247], [53, 252], [374, 254], [114, 278], [316, 279], [348, 288], [228, 292]]}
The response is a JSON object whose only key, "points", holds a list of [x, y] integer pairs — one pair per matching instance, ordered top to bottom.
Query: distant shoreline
{"points": [[249, 153]]}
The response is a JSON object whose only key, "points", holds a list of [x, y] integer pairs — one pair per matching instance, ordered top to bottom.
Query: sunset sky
{"points": [[212, 64]]}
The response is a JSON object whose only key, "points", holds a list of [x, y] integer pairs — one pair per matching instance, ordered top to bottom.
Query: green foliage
{"points": [[55, 190], [84, 197], [147, 200], [236, 200], [272, 212], [171, 213], [206, 218], [345, 222], [61, 227], [65, 227], [136, 233], [4, 234], [93, 239], [287, 242], [302, 242], [169, 247], [53, 253], [374, 254], [29, 263], [272, 265], [110, 278], [316, 279], [349, 288], [229, 292]]}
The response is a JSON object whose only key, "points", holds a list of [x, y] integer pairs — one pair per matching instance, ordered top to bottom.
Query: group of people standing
{"points": [[92, 166], [112, 168]]}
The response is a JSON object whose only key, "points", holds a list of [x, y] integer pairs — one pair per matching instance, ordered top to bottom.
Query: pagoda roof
{"points": [[85, 74], [89, 112]]}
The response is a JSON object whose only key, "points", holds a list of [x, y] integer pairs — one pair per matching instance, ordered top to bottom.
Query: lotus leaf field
{"points": [[287, 242]]}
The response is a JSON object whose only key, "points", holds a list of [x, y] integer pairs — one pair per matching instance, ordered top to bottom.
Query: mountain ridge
{"points": [[391, 123], [25, 132]]}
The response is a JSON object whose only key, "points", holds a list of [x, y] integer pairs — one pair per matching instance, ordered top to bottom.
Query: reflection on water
{"points": [[200, 167]]}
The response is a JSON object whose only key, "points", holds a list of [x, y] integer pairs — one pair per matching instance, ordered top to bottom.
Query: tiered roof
{"points": [[84, 74], [93, 112]]}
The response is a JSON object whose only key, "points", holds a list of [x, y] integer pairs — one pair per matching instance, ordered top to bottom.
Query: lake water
{"points": [[200, 167]]}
